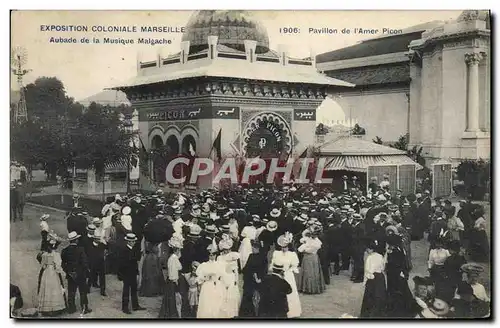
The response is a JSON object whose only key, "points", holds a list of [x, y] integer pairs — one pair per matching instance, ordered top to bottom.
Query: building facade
{"points": [[227, 81], [432, 81]]}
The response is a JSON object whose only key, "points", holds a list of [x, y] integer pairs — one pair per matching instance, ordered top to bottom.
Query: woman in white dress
{"points": [[248, 234], [290, 263], [211, 276], [231, 303]]}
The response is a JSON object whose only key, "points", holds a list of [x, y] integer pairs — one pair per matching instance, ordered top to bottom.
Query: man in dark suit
{"points": [[21, 200], [13, 203], [77, 222], [333, 239], [358, 248], [75, 265], [97, 272], [127, 272], [273, 294]]}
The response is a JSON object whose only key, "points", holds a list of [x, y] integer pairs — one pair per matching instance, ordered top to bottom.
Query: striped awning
{"points": [[361, 163], [117, 167]]}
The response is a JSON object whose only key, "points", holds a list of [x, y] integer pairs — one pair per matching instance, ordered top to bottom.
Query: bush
{"points": [[475, 175]]}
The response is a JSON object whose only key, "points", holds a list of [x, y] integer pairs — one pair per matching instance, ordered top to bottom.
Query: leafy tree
{"points": [[46, 100], [322, 129], [358, 131], [99, 139], [377, 140], [402, 143], [476, 176]]}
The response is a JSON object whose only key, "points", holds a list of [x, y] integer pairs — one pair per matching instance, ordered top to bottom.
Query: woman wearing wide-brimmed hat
{"points": [[249, 233], [229, 259], [290, 262], [211, 276], [152, 279], [311, 280], [51, 294], [375, 296], [400, 299], [171, 306], [437, 309]]}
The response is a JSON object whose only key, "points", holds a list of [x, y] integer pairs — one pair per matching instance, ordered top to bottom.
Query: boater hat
{"points": [[126, 210], [275, 213], [44, 217], [272, 226], [210, 229], [73, 235], [130, 237], [439, 307]]}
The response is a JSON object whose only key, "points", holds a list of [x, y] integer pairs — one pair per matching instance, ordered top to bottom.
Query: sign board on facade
{"points": [[192, 113]]}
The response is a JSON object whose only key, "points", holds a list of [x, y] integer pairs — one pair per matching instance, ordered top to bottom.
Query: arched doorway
{"points": [[267, 135], [173, 146], [188, 150], [173, 151], [158, 159]]}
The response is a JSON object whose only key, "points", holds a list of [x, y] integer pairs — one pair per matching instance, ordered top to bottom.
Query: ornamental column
{"points": [[472, 59]]}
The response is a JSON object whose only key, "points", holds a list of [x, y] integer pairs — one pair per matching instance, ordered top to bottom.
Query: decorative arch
{"points": [[260, 120], [156, 131], [173, 131], [189, 135]]}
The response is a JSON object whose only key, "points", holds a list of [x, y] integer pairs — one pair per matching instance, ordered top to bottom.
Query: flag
{"points": [[217, 146], [143, 148], [191, 149]]}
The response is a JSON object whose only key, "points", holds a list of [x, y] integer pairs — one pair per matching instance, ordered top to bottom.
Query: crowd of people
{"points": [[281, 240]]}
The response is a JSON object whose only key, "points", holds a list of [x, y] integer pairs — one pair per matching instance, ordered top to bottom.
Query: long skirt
{"points": [[479, 249], [245, 251], [439, 276], [152, 280], [311, 280], [184, 296], [375, 298], [399, 298], [51, 299], [211, 299], [249, 300], [169, 304], [231, 304], [294, 307]]}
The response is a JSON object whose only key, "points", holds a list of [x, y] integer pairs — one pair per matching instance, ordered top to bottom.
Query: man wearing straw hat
{"points": [[76, 266], [127, 272], [274, 290]]}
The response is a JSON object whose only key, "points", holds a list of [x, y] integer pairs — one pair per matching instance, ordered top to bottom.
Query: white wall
{"points": [[380, 114]]}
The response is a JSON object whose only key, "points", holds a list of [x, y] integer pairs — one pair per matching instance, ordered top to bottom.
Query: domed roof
{"points": [[232, 27]]}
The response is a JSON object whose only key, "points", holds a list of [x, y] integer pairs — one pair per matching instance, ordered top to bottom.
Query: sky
{"points": [[86, 69]]}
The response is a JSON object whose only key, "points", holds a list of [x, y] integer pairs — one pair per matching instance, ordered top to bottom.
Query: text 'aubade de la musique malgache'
{"points": [[94, 39]]}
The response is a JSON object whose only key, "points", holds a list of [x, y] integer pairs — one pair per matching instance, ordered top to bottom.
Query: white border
{"points": [[189, 4]]}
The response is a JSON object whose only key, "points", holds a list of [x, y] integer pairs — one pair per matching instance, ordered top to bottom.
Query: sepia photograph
{"points": [[244, 164]]}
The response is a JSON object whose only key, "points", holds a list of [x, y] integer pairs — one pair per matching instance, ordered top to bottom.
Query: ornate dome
{"points": [[232, 27]]}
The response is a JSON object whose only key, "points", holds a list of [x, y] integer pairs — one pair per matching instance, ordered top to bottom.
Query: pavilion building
{"points": [[226, 80]]}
